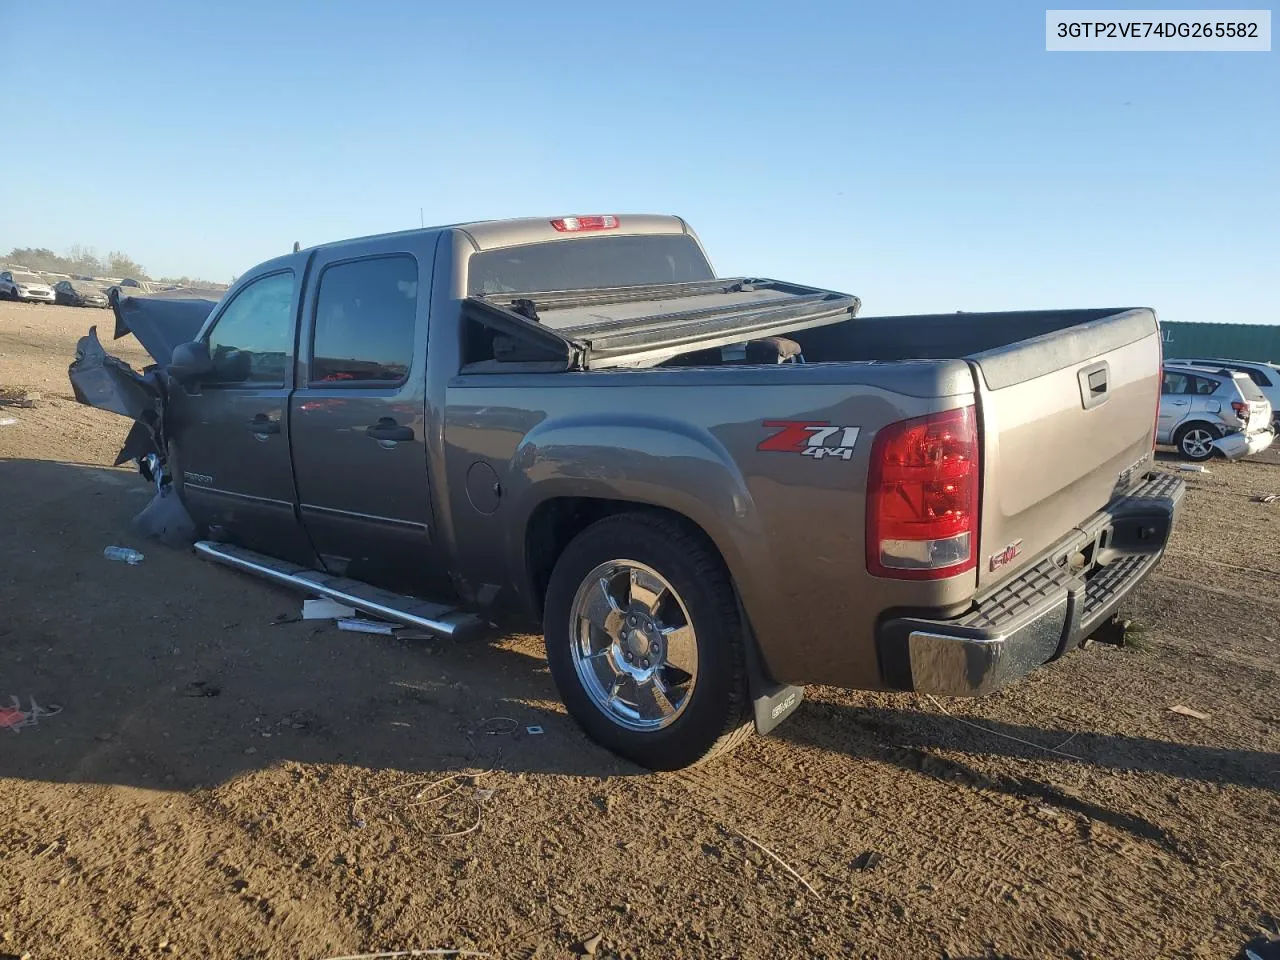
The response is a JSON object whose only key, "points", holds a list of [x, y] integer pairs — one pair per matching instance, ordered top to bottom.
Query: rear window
{"points": [[584, 263], [1248, 387]]}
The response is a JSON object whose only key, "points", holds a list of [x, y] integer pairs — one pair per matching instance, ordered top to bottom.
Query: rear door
{"points": [[1175, 402], [358, 416], [1067, 419], [230, 437]]}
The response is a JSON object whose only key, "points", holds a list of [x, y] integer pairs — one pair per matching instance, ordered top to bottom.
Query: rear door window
{"points": [[364, 323], [252, 340], [1176, 383]]}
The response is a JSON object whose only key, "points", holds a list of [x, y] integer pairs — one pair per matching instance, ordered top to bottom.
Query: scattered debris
{"points": [[13, 397], [8, 421], [1193, 468], [1267, 498], [128, 555], [325, 609], [361, 625], [201, 688], [1188, 712], [15, 718], [535, 730], [499, 731], [997, 733], [484, 793], [417, 799], [866, 860], [782, 863], [591, 945]]}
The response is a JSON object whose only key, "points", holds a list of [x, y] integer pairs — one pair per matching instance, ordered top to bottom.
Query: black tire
{"points": [[1189, 450], [717, 715]]}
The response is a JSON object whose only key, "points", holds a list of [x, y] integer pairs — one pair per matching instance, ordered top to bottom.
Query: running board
{"points": [[437, 618]]}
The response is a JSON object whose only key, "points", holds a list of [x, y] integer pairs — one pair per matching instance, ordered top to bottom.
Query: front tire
{"points": [[1195, 441], [645, 642]]}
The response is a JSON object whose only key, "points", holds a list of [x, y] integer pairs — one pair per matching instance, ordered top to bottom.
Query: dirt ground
{"points": [[220, 785]]}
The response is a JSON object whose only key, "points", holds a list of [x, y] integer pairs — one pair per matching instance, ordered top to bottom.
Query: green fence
{"points": [[1223, 341]]}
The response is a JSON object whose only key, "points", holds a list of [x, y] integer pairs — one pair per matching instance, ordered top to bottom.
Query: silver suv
{"points": [[1265, 375], [1207, 410]]}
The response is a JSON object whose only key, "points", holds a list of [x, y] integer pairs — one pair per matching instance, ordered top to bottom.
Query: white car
{"points": [[16, 285], [1265, 375]]}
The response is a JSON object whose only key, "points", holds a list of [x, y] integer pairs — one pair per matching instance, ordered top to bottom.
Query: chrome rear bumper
{"points": [[1044, 611]]}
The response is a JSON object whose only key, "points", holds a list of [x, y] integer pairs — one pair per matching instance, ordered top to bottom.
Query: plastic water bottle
{"points": [[122, 553]]}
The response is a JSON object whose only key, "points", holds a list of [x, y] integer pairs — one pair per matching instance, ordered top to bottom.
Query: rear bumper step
{"points": [[1042, 613], [439, 619]]}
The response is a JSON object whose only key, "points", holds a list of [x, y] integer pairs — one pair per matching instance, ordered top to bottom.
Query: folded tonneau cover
{"points": [[624, 326]]}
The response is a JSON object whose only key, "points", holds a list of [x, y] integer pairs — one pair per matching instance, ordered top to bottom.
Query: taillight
{"points": [[576, 224], [1241, 408], [922, 497]]}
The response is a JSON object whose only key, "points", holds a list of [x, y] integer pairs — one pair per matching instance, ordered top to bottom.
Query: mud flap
{"points": [[771, 702]]}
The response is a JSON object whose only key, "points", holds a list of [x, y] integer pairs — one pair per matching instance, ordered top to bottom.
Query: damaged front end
{"points": [[100, 380]]}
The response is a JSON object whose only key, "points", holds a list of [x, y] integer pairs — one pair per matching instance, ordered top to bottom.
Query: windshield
{"points": [[583, 263]]}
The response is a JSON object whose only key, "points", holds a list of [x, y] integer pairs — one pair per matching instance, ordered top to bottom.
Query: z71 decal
{"points": [[810, 438]]}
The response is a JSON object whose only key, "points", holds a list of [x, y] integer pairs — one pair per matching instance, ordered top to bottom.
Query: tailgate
{"points": [[1064, 418]]}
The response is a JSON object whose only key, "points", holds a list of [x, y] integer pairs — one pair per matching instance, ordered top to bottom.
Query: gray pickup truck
{"points": [[706, 492]]}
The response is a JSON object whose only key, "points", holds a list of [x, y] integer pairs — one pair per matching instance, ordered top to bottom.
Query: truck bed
{"points": [[1065, 398]]}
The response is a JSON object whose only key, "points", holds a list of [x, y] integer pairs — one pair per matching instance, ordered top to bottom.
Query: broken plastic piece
{"points": [[8, 421], [1193, 468], [325, 609], [15, 718], [533, 730]]}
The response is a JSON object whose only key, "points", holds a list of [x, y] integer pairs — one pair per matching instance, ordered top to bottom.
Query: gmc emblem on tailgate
{"points": [[1006, 555]]}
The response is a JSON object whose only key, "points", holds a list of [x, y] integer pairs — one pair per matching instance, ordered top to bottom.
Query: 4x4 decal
{"points": [[810, 438]]}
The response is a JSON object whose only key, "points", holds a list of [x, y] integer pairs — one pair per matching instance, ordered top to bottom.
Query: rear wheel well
{"points": [[556, 522]]}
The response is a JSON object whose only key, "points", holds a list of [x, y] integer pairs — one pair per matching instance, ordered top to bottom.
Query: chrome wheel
{"points": [[1197, 443], [633, 645]]}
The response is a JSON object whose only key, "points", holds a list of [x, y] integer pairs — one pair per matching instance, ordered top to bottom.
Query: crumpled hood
{"points": [[161, 323]]}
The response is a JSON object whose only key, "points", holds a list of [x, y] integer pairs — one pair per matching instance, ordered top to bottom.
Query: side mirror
{"points": [[190, 362]]}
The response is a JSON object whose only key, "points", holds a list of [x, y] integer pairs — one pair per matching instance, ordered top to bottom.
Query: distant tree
{"points": [[120, 264]]}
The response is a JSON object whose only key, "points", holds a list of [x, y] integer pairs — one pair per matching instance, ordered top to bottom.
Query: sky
{"points": [[926, 156]]}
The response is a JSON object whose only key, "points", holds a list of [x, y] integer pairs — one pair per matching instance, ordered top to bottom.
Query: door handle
{"points": [[261, 425], [387, 430]]}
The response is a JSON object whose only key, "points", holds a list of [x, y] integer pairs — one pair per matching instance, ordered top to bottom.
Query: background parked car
{"points": [[25, 286], [79, 293], [1265, 375], [1204, 410]]}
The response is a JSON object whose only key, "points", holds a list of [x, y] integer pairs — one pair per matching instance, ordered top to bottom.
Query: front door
{"points": [[358, 417], [230, 435]]}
